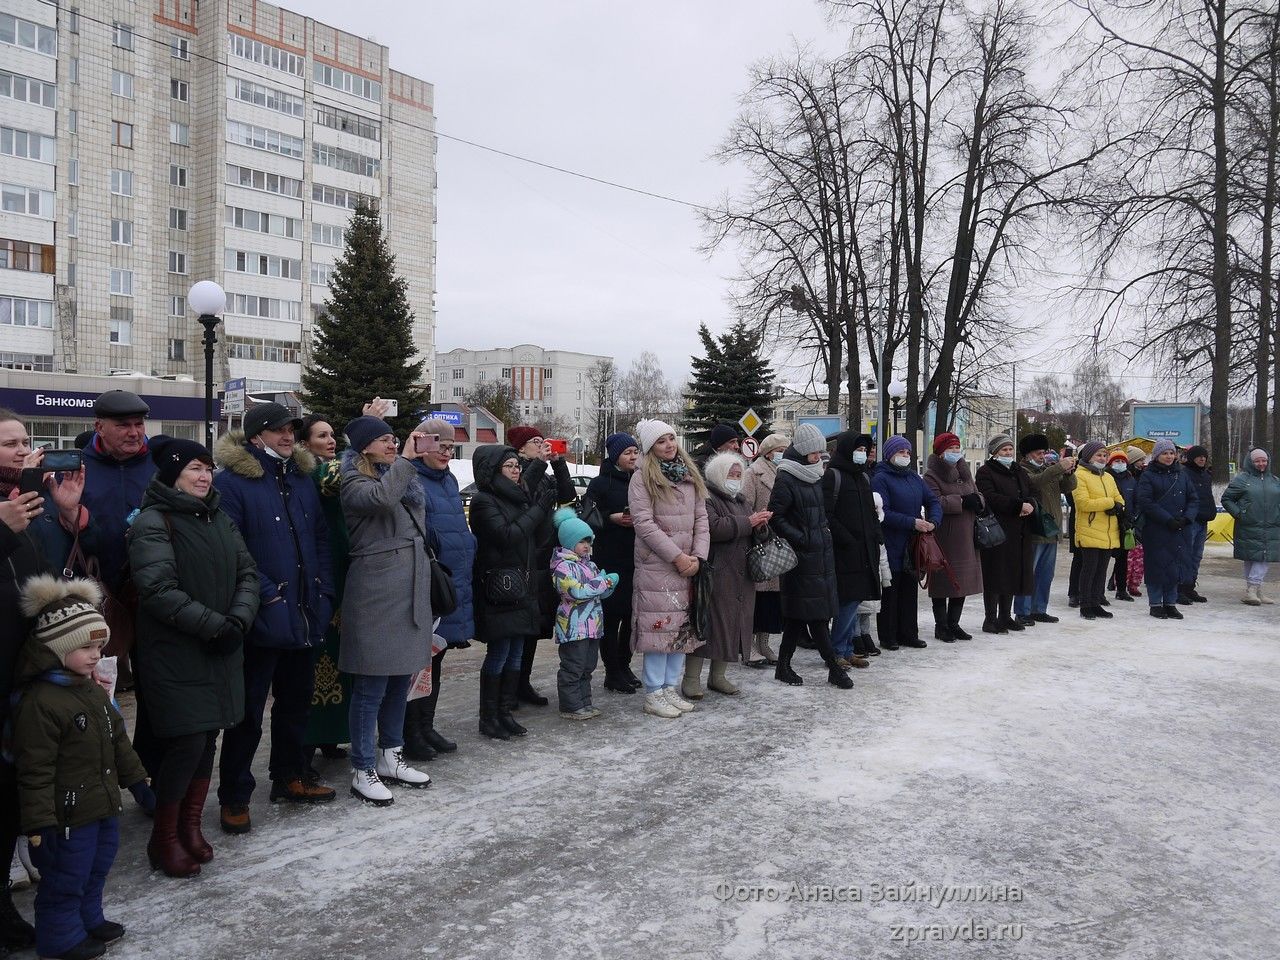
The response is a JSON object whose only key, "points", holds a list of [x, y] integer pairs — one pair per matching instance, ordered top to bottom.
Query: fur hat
{"points": [[269, 416], [435, 425], [362, 431], [649, 432], [721, 434], [517, 437], [808, 439], [774, 441], [998, 441], [943, 442], [1031, 443], [616, 444], [895, 445], [1163, 445], [1092, 447], [1198, 451], [172, 454], [1135, 454], [716, 472], [65, 613]]}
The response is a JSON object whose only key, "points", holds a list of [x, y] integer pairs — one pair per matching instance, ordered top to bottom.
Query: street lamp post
{"points": [[208, 300], [897, 390]]}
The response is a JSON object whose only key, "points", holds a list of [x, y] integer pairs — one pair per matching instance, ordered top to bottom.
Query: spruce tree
{"points": [[364, 341], [731, 378]]}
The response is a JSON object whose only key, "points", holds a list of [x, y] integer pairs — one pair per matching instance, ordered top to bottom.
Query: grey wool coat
{"points": [[674, 524], [733, 593], [386, 604]]}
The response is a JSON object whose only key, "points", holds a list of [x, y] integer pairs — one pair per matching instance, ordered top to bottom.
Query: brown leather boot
{"points": [[190, 812], [163, 849]]}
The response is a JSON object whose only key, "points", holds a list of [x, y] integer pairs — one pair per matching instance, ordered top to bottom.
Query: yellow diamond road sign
{"points": [[750, 423]]}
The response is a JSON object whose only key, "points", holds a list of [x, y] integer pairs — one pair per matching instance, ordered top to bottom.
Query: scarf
{"points": [[674, 470], [804, 472]]}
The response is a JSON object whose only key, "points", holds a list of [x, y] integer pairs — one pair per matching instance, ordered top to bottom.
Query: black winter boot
{"points": [[869, 648], [783, 670], [838, 678], [511, 682], [525, 692], [490, 696], [438, 742], [416, 745], [15, 932]]}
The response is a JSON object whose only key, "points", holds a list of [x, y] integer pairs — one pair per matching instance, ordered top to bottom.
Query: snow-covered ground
{"points": [[1109, 788]]}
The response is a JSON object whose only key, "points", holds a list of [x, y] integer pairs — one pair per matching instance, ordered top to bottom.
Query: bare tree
{"points": [[602, 383], [643, 392]]}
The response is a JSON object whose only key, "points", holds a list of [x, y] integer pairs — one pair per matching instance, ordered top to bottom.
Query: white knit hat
{"points": [[649, 432]]}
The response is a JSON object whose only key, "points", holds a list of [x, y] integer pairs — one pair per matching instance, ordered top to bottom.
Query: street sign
{"points": [[233, 396], [452, 417], [750, 423], [750, 447]]}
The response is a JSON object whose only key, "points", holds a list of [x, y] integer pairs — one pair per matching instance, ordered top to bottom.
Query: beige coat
{"points": [[757, 488]]}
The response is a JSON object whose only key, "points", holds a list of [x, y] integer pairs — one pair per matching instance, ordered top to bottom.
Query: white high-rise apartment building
{"points": [[147, 144]]}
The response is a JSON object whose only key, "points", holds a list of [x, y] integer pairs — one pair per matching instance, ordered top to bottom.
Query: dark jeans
{"points": [[1197, 533], [1093, 575], [896, 620], [794, 631], [615, 646], [502, 655], [289, 676], [573, 680], [378, 704], [183, 759], [73, 867]]}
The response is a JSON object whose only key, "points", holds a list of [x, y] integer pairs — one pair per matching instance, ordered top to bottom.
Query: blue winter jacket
{"points": [[1127, 484], [113, 490], [903, 494], [1166, 495], [277, 509], [455, 547]]}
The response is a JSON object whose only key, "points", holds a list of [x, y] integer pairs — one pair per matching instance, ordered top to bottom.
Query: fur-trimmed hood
{"points": [[232, 452]]}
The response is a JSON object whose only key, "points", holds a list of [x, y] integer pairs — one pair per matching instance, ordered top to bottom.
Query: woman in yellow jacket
{"points": [[1098, 506]]}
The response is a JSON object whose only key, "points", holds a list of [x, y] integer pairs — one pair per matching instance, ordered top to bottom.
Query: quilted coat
{"points": [[949, 482], [1166, 494], [904, 495], [1094, 495], [1253, 499], [676, 523], [855, 528], [455, 546], [582, 588], [809, 588]]}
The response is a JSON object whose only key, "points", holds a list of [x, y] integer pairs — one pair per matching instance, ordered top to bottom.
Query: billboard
{"points": [[1179, 422], [827, 426]]}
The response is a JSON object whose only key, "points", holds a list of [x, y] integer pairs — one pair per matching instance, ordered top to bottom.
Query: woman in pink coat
{"points": [[669, 512]]}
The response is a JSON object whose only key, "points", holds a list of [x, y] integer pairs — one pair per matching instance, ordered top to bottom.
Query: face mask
{"points": [[953, 456], [776, 457], [859, 457], [902, 461], [1005, 461], [1120, 467], [733, 486]]}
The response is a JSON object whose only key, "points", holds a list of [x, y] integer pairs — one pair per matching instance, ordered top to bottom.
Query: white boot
{"points": [[1251, 595], [1262, 597], [673, 698], [655, 704], [393, 769], [366, 786], [24, 854], [18, 877]]}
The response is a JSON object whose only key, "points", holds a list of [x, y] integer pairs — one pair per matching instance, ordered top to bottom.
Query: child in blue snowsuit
{"points": [[580, 616]]}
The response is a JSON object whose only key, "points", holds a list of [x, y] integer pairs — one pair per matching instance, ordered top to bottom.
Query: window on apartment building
{"points": [[74, 22], [25, 33], [122, 35], [180, 48], [73, 70], [122, 84], [14, 86], [178, 89], [73, 121], [179, 133], [122, 134], [28, 145], [73, 172], [177, 175], [122, 183], [15, 198], [177, 218], [73, 224], [122, 232], [30, 257], [177, 262], [71, 273], [122, 283], [177, 306], [21, 312], [120, 332], [177, 349], [39, 362], [506, 373], [546, 373], [459, 374], [459, 391], [547, 411]]}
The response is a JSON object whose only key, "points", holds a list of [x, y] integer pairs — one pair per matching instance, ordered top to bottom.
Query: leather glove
{"points": [[971, 502], [1115, 511], [1183, 523], [228, 639], [144, 796]]}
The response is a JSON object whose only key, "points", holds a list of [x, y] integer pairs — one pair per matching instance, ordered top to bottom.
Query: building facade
{"points": [[147, 145], [551, 388]]}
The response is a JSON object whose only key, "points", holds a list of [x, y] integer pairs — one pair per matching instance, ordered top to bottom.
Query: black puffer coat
{"points": [[540, 477], [507, 525], [855, 529], [615, 547], [1006, 569], [192, 573], [808, 590]]}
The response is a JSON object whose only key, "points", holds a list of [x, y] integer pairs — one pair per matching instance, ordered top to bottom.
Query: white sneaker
{"points": [[673, 698], [655, 704], [393, 769], [367, 786], [24, 854]]}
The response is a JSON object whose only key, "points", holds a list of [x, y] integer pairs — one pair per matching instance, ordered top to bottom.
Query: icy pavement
{"points": [[1101, 790]]}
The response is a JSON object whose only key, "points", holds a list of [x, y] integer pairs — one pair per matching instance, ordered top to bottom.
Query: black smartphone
{"points": [[62, 461], [31, 480]]}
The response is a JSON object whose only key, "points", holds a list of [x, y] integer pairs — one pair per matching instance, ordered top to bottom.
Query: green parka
{"points": [[1253, 499], [192, 572], [69, 746]]}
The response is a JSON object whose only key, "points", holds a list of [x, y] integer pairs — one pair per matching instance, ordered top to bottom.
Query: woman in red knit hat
{"points": [[948, 476]]}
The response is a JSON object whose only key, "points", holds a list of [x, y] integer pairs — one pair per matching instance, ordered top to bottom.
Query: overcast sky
{"points": [[637, 93]]}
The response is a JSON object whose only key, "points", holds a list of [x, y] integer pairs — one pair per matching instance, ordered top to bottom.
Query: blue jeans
{"points": [[1197, 533], [1043, 558], [1162, 594], [845, 627], [502, 655], [662, 670], [377, 709], [73, 872]]}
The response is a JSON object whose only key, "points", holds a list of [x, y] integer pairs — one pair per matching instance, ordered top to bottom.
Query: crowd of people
{"points": [[336, 583]]}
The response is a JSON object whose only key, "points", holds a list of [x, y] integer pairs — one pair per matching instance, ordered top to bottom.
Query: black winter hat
{"points": [[120, 403], [269, 416], [721, 434], [1031, 443], [1196, 451], [172, 454]]}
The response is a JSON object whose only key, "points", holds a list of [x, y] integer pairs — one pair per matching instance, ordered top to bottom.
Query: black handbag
{"points": [[589, 513], [987, 532], [505, 585], [444, 593], [700, 610]]}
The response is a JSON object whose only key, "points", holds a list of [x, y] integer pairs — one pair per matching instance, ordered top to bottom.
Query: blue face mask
{"points": [[859, 456], [953, 456], [776, 457], [1005, 461], [1120, 467]]}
